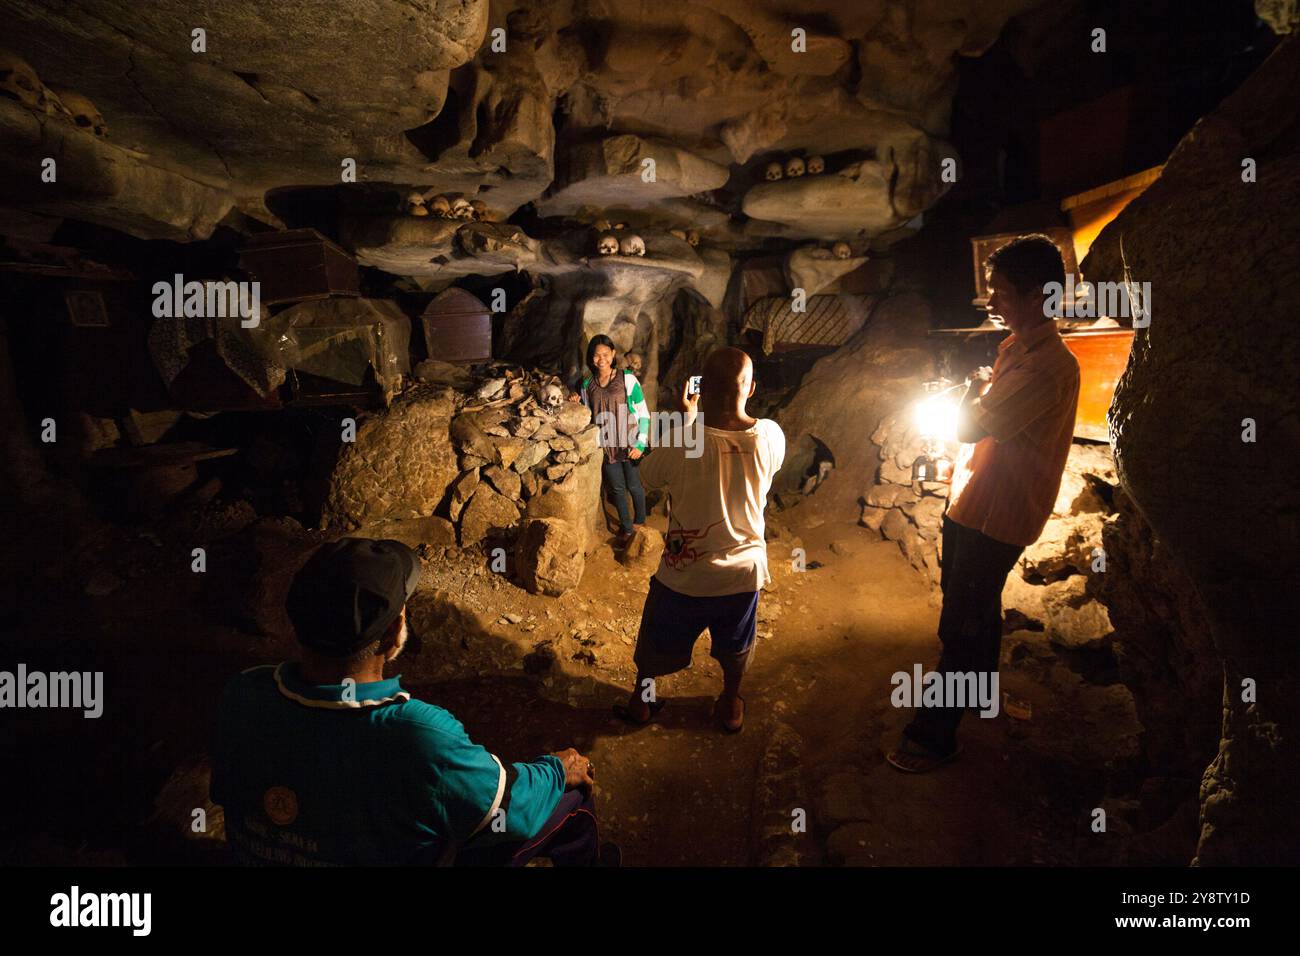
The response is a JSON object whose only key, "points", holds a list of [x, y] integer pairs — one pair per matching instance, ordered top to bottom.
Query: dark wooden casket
{"points": [[299, 265], [457, 328]]}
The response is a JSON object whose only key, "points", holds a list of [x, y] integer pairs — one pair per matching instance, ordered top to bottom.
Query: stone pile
{"points": [[527, 454], [465, 457], [900, 510], [1053, 587]]}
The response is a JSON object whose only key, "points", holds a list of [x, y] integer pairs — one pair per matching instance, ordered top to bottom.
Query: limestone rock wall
{"points": [[532, 101], [1221, 349], [845, 395]]}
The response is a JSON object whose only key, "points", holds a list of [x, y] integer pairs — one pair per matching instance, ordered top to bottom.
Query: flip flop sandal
{"points": [[744, 709], [622, 713], [910, 757]]}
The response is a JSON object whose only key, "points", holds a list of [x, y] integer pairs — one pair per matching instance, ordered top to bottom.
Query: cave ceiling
{"points": [[554, 128]]}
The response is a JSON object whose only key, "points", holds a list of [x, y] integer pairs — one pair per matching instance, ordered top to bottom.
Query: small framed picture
{"points": [[86, 308]]}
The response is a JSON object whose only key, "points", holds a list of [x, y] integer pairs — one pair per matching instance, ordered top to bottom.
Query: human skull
{"points": [[19, 81], [83, 112], [816, 165], [794, 167], [773, 172], [415, 205], [440, 207], [461, 209], [480, 209], [692, 237], [608, 245], [631, 245], [841, 250], [634, 362], [550, 397]]}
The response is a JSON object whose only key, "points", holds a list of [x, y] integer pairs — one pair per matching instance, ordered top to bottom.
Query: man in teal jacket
{"points": [[323, 761]]}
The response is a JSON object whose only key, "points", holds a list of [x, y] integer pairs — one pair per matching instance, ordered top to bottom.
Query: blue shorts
{"points": [[671, 623]]}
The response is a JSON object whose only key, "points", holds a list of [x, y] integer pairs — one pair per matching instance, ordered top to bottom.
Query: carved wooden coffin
{"points": [[299, 265], [457, 328]]}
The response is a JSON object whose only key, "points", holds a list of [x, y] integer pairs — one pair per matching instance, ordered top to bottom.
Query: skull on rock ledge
{"points": [[19, 81], [83, 112], [816, 165], [794, 167], [773, 172], [415, 205], [440, 206], [461, 209], [480, 209], [692, 237], [608, 245], [631, 245], [841, 250], [634, 363], [550, 397]]}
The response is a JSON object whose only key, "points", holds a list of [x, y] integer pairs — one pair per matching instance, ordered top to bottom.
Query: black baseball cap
{"points": [[349, 592]]}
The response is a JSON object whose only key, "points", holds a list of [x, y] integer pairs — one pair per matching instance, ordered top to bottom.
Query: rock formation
{"points": [[1201, 408]]}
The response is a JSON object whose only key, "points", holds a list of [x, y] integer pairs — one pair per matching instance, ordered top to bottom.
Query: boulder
{"points": [[572, 418], [534, 453], [399, 466], [503, 480], [462, 489], [577, 499], [488, 513], [872, 517], [894, 525], [413, 532], [1065, 547], [644, 550], [549, 556], [1074, 619]]}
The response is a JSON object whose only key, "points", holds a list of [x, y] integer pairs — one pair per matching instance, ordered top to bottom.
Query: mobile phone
{"points": [[693, 385]]}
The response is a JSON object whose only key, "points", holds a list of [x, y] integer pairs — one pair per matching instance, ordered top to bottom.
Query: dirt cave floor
{"points": [[529, 675]]}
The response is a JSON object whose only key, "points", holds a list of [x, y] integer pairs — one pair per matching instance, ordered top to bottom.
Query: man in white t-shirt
{"points": [[715, 560]]}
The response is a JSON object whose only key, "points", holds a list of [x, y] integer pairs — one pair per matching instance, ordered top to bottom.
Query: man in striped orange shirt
{"points": [[1016, 436]]}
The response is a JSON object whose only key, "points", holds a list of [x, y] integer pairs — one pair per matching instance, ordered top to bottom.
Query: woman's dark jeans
{"points": [[623, 477]]}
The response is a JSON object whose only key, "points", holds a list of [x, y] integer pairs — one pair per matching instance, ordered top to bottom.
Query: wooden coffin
{"points": [[299, 265], [457, 328], [1102, 356]]}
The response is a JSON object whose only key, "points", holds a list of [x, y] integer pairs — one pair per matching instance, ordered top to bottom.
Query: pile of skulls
{"points": [[18, 81], [793, 167], [429, 203], [617, 240], [518, 432]]}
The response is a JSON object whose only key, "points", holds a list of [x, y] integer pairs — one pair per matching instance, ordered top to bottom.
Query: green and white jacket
{"points": [[636, 406]]}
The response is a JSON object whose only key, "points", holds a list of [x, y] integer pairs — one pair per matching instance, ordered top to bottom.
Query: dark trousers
{"points": [[623, 478], [973, 571], [569, 838]]}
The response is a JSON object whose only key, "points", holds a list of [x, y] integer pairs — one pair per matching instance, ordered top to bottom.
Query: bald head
{"points": [[728, 374]]}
